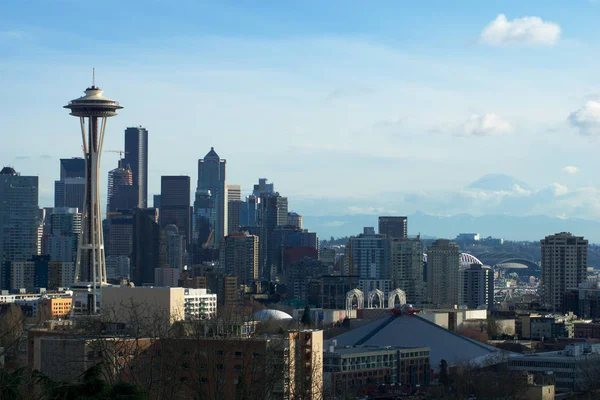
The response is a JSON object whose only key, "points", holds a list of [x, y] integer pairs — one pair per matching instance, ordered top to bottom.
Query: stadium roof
{"points": [[271, 315], [414, 331]]}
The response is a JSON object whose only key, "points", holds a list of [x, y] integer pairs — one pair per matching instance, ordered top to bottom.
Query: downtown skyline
{"points": [[344, 94]]}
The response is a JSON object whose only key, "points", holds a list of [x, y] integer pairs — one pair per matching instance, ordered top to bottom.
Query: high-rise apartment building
{"points": [[136, 157], [212, 177], [175, 204], [19, 216], [393, 227], [149, 246], [368, 255], [239, 257], [443, 264], [563, 266], [406, 268], [476, 287]]}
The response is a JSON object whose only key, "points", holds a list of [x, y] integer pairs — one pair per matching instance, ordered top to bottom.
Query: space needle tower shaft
{"points": [[90, 263]]}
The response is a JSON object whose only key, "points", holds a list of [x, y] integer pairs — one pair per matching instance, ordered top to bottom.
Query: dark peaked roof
{"points": [[212, 153], [8, 171], [415, 331]]}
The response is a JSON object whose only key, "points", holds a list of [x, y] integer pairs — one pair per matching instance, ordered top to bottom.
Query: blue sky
{"points": [[376, 107]]}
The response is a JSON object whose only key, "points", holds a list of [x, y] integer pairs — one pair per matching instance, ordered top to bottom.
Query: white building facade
{"points": [[199, 304]]}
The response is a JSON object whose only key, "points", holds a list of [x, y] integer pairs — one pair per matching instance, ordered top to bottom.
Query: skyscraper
{"points": [[136, 157], [72, 168], [212, 177], [263, 188], [69, 191], [234, 192], [121, 193], [175, 204], [234, 211], [249, 211], [273, 213], [19, 216], [295, 219], [203, 223], [393, 227], [120, 234], [283, 239], [61, 243], [149, 246], [175, 247], [369, 255], [239, 257], [443, 264], [563, 266], [406, 268], [477, 286]]}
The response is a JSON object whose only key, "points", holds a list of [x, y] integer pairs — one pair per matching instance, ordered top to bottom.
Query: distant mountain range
{"points": [[517, 228]]}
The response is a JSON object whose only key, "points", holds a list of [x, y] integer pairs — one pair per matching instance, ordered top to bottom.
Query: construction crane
{"points": [[121, 152], [210, 236]]}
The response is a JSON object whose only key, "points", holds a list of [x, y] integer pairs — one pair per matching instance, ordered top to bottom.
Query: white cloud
{"points": [[531, 31], [587, 119], [487, 125], [570, 169], [558, 189], [521, 191], [364, 210], [335, 224]]}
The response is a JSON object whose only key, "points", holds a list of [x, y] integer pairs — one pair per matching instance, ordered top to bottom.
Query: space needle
{"points": [[91, 264]]}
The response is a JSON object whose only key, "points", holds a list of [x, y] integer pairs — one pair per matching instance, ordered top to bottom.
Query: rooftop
{"points": [[8, 171], [414, 331]]}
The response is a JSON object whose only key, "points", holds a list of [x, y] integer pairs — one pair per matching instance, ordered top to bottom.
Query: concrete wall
{"points": [[131, 304], [440, 319]]}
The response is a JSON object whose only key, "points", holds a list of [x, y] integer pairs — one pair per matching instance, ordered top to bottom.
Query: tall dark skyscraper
{"points": [[136, 157], [72, 168], [212, 178], [70, 189], [175, 204], [273, 213], [393, 227], [149, 246]]}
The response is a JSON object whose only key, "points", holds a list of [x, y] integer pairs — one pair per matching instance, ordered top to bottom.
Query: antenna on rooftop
{"points": [[93, 77]]}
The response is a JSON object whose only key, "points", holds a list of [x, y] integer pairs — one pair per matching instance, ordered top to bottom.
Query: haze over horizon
{"points": [[348, 109]]}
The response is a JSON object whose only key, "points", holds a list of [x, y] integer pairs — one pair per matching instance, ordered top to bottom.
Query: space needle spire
{"points": [[91, 264]]}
